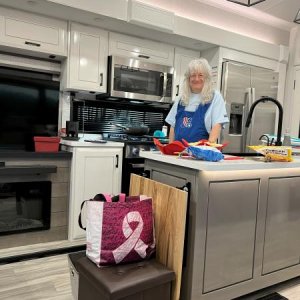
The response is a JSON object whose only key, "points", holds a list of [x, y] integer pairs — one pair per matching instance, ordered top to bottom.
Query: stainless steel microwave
{"points": [[134, 79]]}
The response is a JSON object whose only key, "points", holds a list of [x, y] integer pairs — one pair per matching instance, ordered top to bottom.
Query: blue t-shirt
{"points": [[216, 113]]}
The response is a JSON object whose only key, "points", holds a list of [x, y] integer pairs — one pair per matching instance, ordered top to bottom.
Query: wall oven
{"points": [[138, 80]]}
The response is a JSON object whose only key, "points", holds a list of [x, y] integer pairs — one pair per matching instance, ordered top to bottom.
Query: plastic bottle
{"points": [[165, 130], [286, 138]]}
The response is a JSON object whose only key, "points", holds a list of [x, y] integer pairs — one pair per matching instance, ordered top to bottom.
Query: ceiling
{"points": [[282, 9], [278, 13]]}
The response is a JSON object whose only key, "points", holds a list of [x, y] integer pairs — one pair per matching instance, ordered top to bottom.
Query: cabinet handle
{"points": [[32, 44], [143, 56], [101, 79], [177, 87], [117, 161]]}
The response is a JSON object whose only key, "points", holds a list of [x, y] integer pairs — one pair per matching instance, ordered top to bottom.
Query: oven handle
{"points": [[137, 165]]}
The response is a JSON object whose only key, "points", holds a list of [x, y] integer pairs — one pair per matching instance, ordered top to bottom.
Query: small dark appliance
{"points": [[71, 131]]}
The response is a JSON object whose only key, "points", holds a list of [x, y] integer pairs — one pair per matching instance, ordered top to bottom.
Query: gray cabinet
{"points": [[231, 226], [242, 228], [282, 239]]}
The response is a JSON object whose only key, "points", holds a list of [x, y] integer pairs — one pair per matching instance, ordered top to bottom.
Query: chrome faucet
{"points": [[280, 109]]}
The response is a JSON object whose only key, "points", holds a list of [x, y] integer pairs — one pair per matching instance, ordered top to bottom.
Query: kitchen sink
{"points": [[245, 154]]}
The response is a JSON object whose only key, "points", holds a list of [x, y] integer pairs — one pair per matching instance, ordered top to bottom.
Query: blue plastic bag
{"points": [[205, 153]]}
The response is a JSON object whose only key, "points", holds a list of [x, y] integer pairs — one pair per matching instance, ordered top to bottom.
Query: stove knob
{"points": [[135, 151]]}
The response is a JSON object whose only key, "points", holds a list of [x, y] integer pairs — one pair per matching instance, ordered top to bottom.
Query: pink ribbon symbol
{"points": [[133, 238]]}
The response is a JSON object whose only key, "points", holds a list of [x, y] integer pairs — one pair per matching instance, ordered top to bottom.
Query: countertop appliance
{"points": [[135, 79], [242, 85], [132, 161]]}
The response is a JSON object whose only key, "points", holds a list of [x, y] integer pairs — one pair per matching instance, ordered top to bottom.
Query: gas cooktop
{"points": [[120, 137]]}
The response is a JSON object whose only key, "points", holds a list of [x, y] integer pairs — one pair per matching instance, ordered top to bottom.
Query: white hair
{"points": [[200, 65]]}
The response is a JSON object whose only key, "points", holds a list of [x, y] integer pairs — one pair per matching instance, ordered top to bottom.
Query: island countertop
{"points": [[246, 163], [243, 220]]}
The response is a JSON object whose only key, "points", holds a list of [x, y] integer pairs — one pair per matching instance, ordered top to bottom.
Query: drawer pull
{"points": [[33, 44], [144, 56], [101, 79]]}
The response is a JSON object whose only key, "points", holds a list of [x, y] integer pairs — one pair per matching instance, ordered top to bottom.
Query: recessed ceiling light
{"points": [[30, 2]]}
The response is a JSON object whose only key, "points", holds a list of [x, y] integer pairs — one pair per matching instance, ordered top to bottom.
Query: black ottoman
{"points": [[147, 280]]}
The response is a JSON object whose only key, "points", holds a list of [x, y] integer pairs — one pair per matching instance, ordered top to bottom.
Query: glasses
{"points": [[198, 75]]}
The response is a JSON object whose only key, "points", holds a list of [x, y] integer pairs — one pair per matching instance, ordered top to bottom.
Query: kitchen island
{"points": [[243, 223]]}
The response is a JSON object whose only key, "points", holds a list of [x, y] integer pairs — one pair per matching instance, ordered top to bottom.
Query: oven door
{"points": [[134, 79], [135, 166]]}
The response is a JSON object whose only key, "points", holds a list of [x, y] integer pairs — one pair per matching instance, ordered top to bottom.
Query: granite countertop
{"points": [[92, 137], [82, 143], [34, 155], [247, 163]]}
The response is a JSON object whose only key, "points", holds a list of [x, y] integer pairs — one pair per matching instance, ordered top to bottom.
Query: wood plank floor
{"points": [[38, 279], [48, 279]]}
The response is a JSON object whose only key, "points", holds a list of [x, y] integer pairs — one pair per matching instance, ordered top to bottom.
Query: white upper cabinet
{"points": [[31, 34], [155, 52], [181, 61], [86, 66]]}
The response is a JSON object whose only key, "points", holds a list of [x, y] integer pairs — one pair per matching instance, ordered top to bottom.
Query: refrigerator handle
{"points": [[224, 79], [252, 95], [247, 131]]}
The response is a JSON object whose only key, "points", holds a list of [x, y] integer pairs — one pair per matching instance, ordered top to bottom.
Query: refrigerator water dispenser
{"points": [[236, 118]]}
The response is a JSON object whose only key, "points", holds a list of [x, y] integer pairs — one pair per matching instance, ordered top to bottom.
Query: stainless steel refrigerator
{"points": [[243, 84]]}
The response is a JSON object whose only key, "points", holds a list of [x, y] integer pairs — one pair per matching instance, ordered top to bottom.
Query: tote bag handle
{"points": [[99, 197]]}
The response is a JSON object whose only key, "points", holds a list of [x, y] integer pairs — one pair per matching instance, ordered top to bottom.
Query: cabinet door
{"points": [[33, 33], [142, 49], [297, 49], [181, 61], [87, 63], [295, 123], [94, 171], [231, 227], [282, 235]]}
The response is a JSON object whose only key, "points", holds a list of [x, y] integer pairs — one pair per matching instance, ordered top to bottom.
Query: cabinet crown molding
{"points": [[149, 16]]}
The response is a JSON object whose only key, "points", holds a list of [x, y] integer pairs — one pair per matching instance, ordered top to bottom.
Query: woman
{"points": [[200, 113]]}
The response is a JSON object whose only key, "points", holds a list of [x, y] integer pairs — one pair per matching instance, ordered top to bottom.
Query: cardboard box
{"points": [[46, 144]]}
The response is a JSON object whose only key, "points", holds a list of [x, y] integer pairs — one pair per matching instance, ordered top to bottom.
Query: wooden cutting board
{"points": [[169, 207]]}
